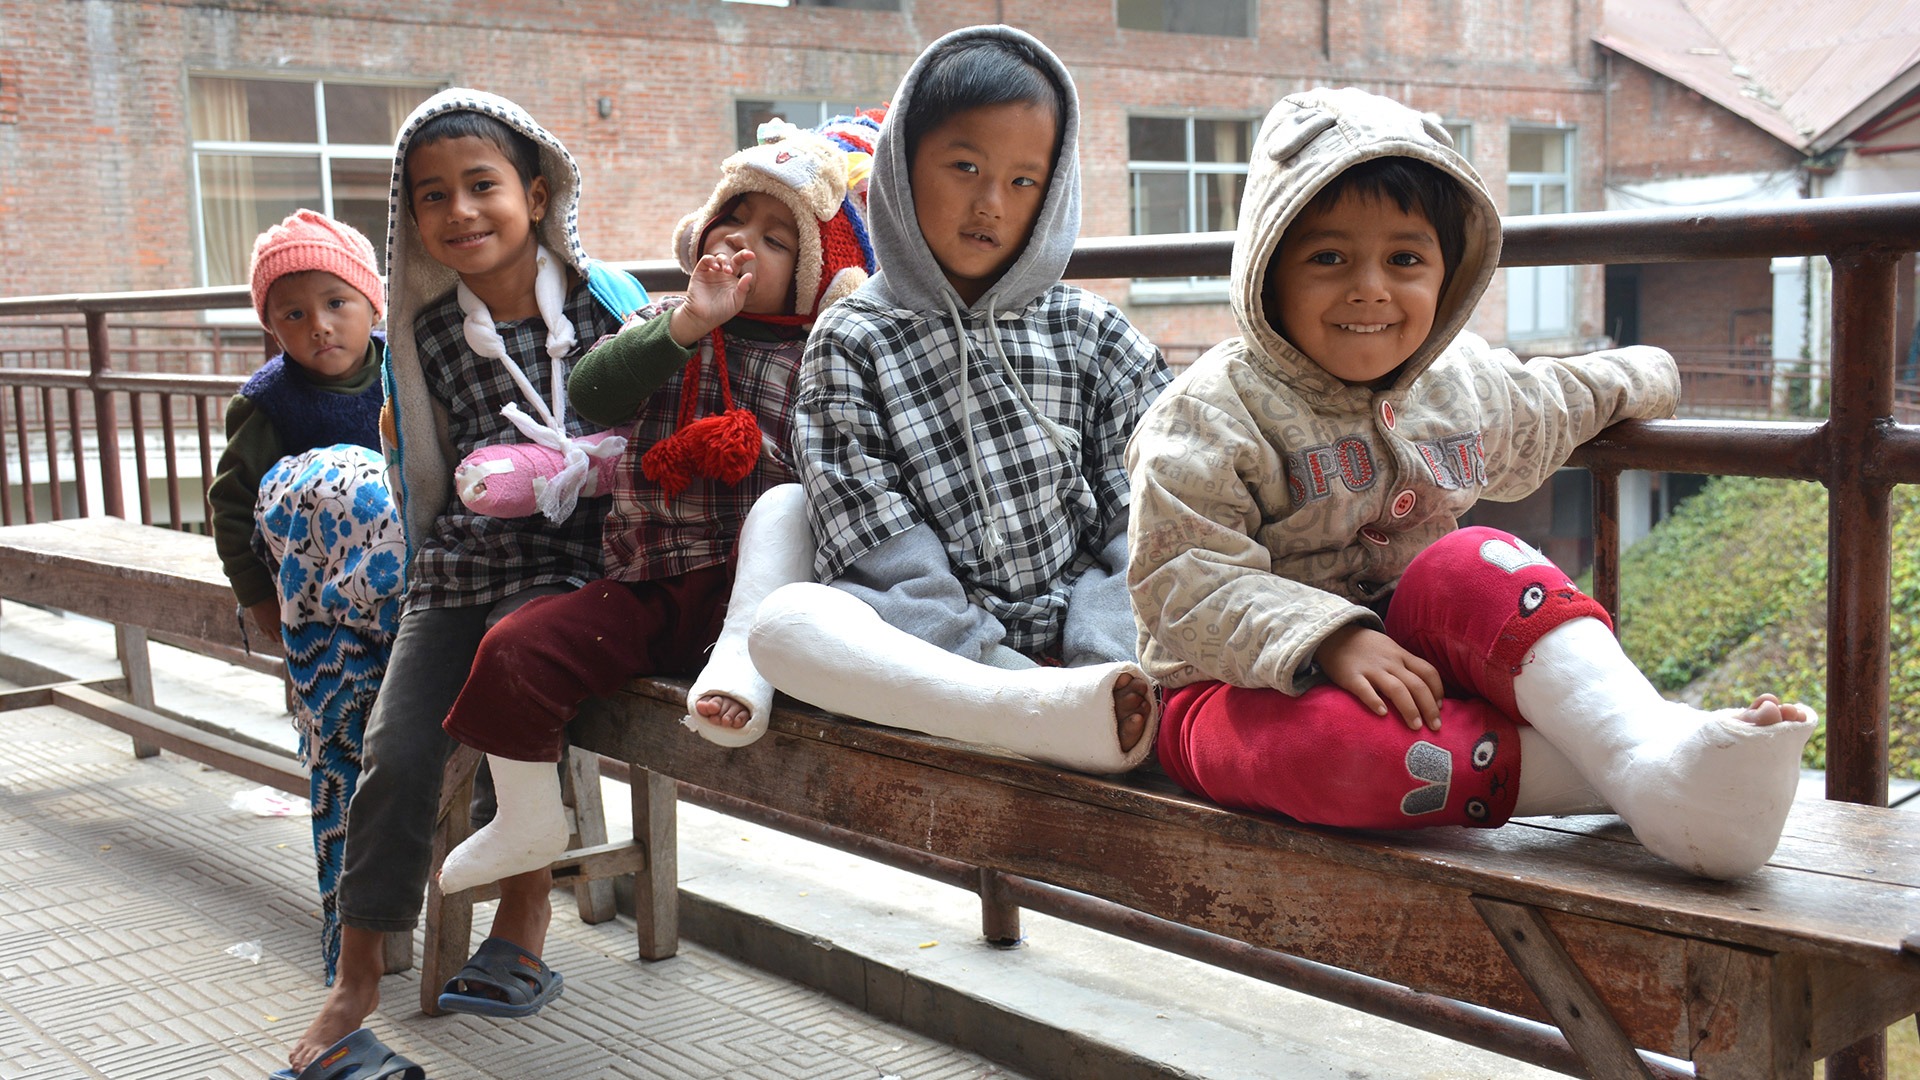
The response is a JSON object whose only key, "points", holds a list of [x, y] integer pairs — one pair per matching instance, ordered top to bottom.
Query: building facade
{"points": [[143, 143]]}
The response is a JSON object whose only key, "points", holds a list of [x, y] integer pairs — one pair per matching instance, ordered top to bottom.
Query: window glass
{"points": [[1224, 18], [367, 115], [748, 115], [263, 148], [1186, 175], [1539, 181], [240, 195]]}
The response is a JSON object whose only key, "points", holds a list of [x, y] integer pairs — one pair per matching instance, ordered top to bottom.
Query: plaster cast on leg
{"points": [[776, 548], [828, 648], [1550, 784], [1705, 791], [528, 830]]}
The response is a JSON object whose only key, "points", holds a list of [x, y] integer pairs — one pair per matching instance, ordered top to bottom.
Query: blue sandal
{"points": [[502, 980], [359, 1056]]}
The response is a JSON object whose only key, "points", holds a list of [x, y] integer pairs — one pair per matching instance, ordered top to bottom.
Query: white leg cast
{"points": [[776, 548], [826, 647], [1550, 785], [1705, 791], [528, 831]]}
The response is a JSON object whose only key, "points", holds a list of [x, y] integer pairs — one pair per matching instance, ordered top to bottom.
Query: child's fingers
{"points": [[1362, 689], [1405, 701]]}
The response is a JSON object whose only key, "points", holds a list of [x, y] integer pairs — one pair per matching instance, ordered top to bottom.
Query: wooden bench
{"points": [[148, 580], [1565, 921]]}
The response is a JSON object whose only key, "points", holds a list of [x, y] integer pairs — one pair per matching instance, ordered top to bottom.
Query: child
{"points": [[316, 289], [491, 299], [705, 381], [960, 426], [299, 436], [1335, 649]]}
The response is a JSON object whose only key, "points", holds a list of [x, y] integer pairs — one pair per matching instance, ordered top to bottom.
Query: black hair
{"points": [[982, 71], [516, 146], [1410, 184]]}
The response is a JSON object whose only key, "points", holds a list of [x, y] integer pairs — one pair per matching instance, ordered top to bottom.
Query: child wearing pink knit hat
{"points": [[316, 289], [302, 517]]}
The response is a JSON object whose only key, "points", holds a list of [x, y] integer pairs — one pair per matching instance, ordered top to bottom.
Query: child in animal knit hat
{"points": [[706, 384], [302, 446]]}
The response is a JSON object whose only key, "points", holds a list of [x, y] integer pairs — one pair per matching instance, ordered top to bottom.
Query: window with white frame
{"points": [[1223, 18], [800, 112], [1461, 132], [263, 148], [1186, 174], [1539, 181]]}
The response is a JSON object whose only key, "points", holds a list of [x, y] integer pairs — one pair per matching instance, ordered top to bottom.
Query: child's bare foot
{"points": [[1131, 701], [723, 710], [1767, 710], [355, 994]]}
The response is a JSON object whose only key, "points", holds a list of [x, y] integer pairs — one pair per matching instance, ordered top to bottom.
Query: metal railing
{"points": [[1859, 452]]}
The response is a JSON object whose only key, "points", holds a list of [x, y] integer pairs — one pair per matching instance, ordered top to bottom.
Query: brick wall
{"points": [[1661, 130], [94, 151]]}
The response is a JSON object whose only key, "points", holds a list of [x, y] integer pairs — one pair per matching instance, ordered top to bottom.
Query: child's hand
{"points": [[716, 291], [266, 616], [1374, 668]]}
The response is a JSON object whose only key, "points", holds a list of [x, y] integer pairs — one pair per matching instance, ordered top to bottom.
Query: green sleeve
{"points": [[617, 376], [252, 447]]}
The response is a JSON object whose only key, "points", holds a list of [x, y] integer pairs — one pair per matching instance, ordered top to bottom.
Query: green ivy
{"points": [[1727, 598]]}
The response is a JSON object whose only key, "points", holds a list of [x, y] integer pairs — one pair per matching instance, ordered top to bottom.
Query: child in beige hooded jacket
{"points": [[1334, 647]]}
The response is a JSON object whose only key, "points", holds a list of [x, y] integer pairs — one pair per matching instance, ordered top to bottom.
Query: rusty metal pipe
{"points": [[1515, 1037]]}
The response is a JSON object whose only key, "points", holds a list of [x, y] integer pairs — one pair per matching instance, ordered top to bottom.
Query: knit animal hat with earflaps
{"points": [[808, 173]]}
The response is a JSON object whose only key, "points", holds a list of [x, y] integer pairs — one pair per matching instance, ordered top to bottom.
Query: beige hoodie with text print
{"points": [[1271, 500]]}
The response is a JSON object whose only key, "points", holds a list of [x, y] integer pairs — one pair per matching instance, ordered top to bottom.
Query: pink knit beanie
{"points": [[308, 240]]}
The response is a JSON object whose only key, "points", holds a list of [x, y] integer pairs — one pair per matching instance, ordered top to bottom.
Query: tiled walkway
{"points": [[128, 886]]}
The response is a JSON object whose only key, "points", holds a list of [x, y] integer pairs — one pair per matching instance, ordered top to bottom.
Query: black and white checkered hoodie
{"points": [[964, 462]]}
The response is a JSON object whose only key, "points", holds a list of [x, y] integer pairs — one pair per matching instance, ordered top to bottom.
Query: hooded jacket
{"points": [[446, 399], [962, 462], [1272, 502]]}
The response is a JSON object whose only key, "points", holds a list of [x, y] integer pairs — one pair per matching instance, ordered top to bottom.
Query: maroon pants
{"points": [[1472, 605], [538, 664]]}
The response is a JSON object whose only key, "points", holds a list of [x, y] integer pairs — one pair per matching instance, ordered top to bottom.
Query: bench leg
{"points": [[131, 643], [580, 788], [656, 890], [999, 916], [449, 918], [1556, 980]]}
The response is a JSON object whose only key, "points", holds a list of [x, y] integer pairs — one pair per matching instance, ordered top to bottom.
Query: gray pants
{"points": [[389, 846]]}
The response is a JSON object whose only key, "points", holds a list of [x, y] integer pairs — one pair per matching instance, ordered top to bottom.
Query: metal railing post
{"points": [[106, 418], [1859, 529], [1859, 561]]}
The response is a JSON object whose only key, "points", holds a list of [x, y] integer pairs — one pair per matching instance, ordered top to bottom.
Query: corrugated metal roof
{"points": [[1808, 72]]}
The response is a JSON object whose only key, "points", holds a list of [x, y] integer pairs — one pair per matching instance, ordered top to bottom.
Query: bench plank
{"points": [[125, 573], [1686, 967]]}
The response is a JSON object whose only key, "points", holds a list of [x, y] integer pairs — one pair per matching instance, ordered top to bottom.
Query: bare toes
{"points": [[1131, 728]]}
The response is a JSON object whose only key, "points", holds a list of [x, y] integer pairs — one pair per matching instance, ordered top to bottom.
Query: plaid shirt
{"points": [[881, 442], [648, 535], [466, 558]]}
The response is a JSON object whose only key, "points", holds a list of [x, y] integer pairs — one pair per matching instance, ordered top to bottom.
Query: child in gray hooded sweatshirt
{"points": [[960, 427]]}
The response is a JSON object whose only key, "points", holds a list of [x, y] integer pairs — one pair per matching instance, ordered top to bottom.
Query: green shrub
{"points": [[1726, 599]]}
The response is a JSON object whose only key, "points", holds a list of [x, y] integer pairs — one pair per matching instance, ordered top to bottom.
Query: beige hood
{"points": [[1307, 140]]}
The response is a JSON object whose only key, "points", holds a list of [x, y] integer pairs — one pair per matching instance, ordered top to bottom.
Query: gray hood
{"points": [[1307, 140], [909, 276]]}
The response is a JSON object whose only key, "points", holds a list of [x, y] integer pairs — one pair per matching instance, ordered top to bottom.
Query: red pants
{"points": [[1472, 605], [538, 664]]}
